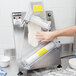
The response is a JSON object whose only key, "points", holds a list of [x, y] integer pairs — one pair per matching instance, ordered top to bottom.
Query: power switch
{"points": [[49, 16]]}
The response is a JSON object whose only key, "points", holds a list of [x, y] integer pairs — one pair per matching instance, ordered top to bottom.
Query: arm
{"points": [[70, 31], [48, 36]]}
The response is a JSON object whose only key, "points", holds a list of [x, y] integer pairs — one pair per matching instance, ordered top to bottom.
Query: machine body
{"points": [[24, 51], [42, 56]]}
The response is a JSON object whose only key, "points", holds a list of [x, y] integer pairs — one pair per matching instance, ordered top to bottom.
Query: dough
{"points": [[32, 30]]}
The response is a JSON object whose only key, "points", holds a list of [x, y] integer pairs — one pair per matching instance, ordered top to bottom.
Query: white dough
{"points": [[32, 30]]}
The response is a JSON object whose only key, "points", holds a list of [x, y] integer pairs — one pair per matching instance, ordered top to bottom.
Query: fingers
{"points": [[39, 35], [43, 41]]}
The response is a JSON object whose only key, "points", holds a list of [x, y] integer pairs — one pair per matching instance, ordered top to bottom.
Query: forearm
{"points": [[70, 31], [48, 36]]}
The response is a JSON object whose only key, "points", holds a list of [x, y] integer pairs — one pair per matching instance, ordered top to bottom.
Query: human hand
{"points": [[45, 36]]}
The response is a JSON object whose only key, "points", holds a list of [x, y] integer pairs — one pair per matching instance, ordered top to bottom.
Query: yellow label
{"points": [[37, 8], [41, 51]]}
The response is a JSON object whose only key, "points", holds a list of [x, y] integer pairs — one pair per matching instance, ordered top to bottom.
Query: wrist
{"points": [[55, 34]]}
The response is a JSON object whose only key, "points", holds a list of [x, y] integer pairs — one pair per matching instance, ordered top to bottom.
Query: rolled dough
{"points": [[32, 30]]}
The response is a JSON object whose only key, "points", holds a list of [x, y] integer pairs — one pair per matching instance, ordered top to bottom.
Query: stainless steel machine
{"points": [[42, 56]]}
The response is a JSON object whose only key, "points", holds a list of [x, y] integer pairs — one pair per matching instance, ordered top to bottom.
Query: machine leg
{"points": [[59, 66], [22, 71], [20, 74]]}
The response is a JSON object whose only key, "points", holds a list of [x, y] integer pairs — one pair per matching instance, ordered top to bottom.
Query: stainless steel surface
{"points": [[66, 49], [49, 60], [12, 70]]}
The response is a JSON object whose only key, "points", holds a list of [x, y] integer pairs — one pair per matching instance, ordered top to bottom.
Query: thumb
{"points": [[43, 41]]}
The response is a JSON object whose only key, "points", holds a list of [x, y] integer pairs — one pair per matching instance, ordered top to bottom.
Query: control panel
{"points": [[50, 17], [17, 18]]}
